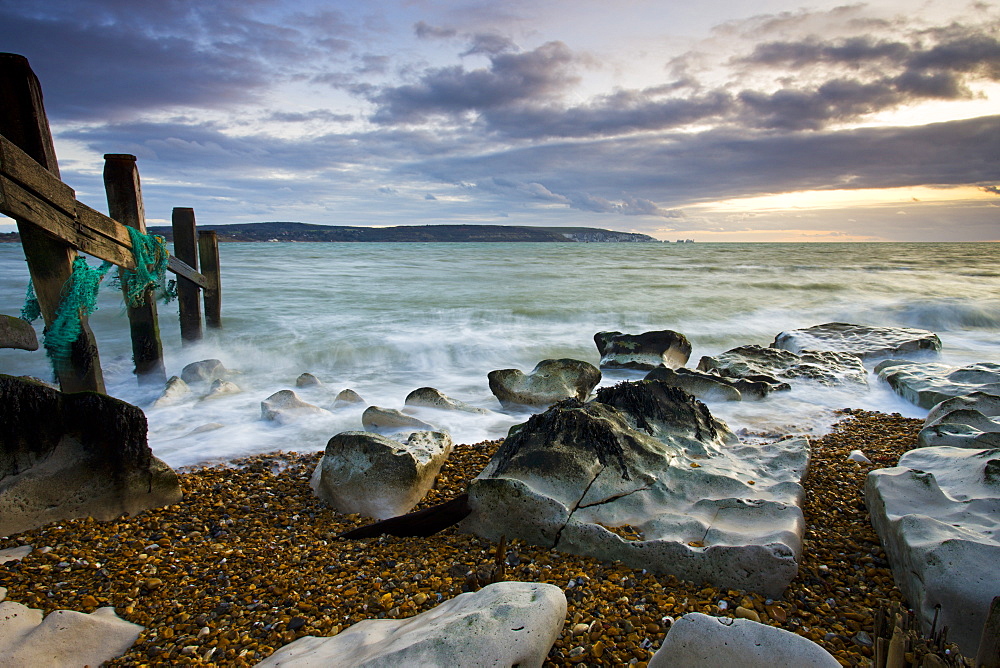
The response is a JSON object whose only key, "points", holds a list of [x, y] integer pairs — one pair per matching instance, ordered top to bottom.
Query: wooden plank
{"points": [[24, 123], [21, 167], [121, 181], [208, 249], [186, 250], [181, 268]]}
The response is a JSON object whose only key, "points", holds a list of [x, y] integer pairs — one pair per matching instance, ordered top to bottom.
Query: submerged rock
{"points": [[861, 340], [649, 350], [770, 365], [204, 371], [307, 380], [550, 381], [928, 384], [222, 388], [175, 390], [347, 397], [432, 398], [284, 406], [390, 421], [74, 455], [645, 475], [377, 476], [938, 516], [503, 624]]}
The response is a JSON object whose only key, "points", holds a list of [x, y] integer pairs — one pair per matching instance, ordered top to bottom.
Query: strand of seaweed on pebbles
{"points": [[249, 561]]}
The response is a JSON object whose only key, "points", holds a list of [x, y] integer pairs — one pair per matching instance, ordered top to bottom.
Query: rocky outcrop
{"points": [[17, 333], [861, 340], [649, 350], [771, 365], [204, 371], [550, 381], [928, 384], [713, 387], [174, 391], [428, 397], [285, 406], [390, 421], [969, 421], [74, 455], [645, 475], [377, 476], [938, 516], [503, 624], [64, 639], [700, 641]]}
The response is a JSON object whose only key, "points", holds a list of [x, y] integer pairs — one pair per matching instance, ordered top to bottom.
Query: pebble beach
{"points": [[250, 560]]}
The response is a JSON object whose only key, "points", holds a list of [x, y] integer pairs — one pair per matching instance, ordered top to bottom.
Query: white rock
{"points": [[861, 340], [927, 384], [221, 388], [175, 390], [285, 406], [390, 421], [967, 421], [859, 457], [376, 476], [938, 516], [14, 553], [502, 625], [64, 639], [699, 641]]}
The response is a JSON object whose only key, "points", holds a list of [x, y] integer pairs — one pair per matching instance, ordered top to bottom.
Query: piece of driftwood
{"points": [[422, 523]]}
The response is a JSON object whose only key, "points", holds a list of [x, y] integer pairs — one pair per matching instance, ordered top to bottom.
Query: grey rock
{"points": [[17, 333], [864, 341], [649, 350], [771, 365], [204, 371], [307, 380], [550, 381], [928, 384], [705, 386], [222, 388], [175, 390], [347, 397], [431, 398], [986, 404], [285, 406], [389, 421], [961, 428], [74, 455], [650, 456], [377, 476], [938, 516], [504, 624], [700, 641]]}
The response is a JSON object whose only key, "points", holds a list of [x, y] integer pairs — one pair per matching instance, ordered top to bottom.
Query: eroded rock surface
{"points": [[861, 340], [649, 350], [771, 365], [550, 381], [928, 384], [713, 387], [390, 421], [74, 455], [644, 474], [377, 476], [938, 516], [504, 624]]}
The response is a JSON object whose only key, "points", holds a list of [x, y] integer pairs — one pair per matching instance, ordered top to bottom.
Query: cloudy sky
{"points": [[717, 120]]}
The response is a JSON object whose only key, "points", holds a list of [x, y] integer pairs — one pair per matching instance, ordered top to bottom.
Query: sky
{"points": [[717, 120]]}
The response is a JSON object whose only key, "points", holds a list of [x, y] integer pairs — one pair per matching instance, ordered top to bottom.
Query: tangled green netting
{"points": [[79, 294]]}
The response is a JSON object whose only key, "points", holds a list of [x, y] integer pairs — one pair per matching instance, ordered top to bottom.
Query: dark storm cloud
{"points": [[425, 31], [511, 78]]}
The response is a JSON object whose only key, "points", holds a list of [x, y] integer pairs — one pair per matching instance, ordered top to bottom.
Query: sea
{"points": [[384, 319]]}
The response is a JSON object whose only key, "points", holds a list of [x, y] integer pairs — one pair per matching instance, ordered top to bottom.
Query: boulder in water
{"points": [[861, 340], [649, 350], [772, 365], [204, 371], [307, 380], [550, 381], [928, 384], [704, 386], [222, 388], [175, 390], [347, 397], [429, 397], [285, 406], [390, 421], [74, 455], [645, 475], [377, 476], [938, 516], [502, 624]]}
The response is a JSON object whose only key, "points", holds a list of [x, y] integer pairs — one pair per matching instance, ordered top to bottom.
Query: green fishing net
{"points": [[79, 294]]}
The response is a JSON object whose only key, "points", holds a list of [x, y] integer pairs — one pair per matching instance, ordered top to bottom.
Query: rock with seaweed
{"points": [[867, 342], [649, 350], [775, 366], [550, 381], [928, 384], [74, 455], [645, 475], [376, 476], [938, 516]]}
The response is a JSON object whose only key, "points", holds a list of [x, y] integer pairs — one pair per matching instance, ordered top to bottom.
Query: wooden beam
{"points": [[121, 181], [208, 249], [186, 250], [50, 261], [181, 268]]}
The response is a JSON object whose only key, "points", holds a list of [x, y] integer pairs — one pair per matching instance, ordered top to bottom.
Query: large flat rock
{"points": [[867, 342], [773, 365], [928, 384], [645, 475], [938, 517], [502, 625]]}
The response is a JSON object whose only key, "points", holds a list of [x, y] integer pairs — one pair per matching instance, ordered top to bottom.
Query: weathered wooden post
{"points": [[121, 181], [186, 250], [208, 250], [50, 261]]}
